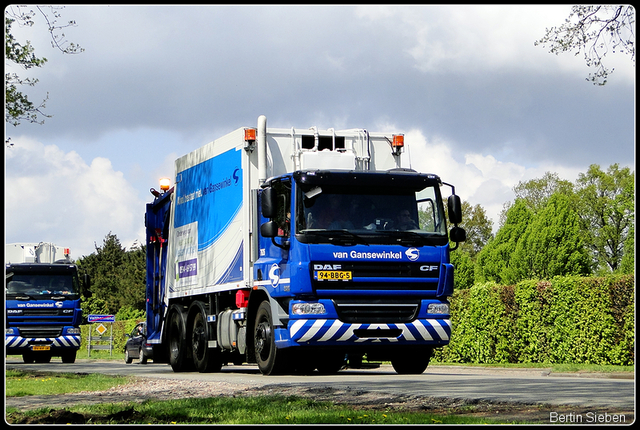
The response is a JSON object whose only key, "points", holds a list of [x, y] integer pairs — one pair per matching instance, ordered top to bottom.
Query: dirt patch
{"points": [[162, 389], [502, 411]]}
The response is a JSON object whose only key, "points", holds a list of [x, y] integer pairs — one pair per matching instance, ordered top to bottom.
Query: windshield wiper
{"points": [[338, 235], [406, 236], [20, 296]]}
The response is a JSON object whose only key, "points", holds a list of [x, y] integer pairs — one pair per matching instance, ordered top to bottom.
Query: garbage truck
{"points": [[299, 250], [43, 302]]}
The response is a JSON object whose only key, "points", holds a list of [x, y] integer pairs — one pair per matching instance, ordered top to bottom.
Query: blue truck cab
{"points": [[360, 262], [43, 312]]}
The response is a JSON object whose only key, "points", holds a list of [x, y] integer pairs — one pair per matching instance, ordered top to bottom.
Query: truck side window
{"points": [[283, 215]]}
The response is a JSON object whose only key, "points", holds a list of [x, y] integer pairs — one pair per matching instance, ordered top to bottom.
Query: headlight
{"points": [[438, 308], [308, 309], [11, 331]]}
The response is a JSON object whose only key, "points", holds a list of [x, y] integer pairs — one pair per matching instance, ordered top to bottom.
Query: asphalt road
{"points": [[533, 386]]}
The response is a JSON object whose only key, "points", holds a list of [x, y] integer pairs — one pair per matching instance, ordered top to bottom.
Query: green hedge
{"points": [[565, 320]]}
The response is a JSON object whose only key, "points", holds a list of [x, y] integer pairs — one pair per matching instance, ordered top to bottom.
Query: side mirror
{"points": [[268, 203], [454, 207], [269, 229], [457, 234], [86, 285]]}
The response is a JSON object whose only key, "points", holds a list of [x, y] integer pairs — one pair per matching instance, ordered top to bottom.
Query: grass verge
{"points": [[20, 383], [215, 410], [227, 410]]}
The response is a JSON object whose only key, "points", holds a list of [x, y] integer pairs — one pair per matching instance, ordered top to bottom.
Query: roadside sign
{"points": [[101, 318], [95, 342]]}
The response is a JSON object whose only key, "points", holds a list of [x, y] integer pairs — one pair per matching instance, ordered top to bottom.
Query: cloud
{"points": [[478, 179], [55, 196]]}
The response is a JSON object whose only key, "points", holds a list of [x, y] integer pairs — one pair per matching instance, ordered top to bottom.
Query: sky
{"points": [[479, 104]]}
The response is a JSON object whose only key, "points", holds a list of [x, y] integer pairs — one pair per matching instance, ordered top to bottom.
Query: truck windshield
{"points": [[372, 216], [33, 285]]}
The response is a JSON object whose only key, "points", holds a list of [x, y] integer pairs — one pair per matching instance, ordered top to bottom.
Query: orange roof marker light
{"points": [[249, 134], [250, 138], [397, 144], [165, 184]]}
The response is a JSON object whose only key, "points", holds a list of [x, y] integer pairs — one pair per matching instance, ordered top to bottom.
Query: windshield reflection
{"points": [[370, 214], [41, 284]]}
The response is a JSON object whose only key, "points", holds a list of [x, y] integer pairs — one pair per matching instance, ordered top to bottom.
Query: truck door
{"points": [[275, 239]]}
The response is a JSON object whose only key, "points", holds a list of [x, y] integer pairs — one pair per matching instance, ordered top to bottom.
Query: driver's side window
{"points": [[283, 215]]}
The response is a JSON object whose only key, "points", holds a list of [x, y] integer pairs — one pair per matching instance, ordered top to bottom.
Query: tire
{"points": [[178, 354], [28, 357], [68, 357], [127, 357], [142, 359], [205, 359], [270, 360], [412, 363]]}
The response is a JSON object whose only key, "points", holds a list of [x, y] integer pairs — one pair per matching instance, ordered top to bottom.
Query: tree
{"points": [[594, 31], [18, 107], [535, 192], [606, 206], [478, 227], [552, 244], [494, 260], [464, 275], [117, 276], [132, 285]]}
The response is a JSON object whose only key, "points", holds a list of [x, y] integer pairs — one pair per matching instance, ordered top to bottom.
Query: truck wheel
{"points": [[177, 341], [28, 357], [68, 357], [204, 358], [270, 360], [412, 363]]}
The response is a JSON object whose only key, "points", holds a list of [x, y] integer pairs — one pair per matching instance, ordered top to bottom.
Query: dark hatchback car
{"points": [[137, 346]]}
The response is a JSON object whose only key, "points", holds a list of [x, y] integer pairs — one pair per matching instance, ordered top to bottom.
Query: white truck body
{"points": [[231, 174], [42, 252]]}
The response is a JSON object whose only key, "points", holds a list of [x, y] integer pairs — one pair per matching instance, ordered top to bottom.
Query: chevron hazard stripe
{"points": [[330, 330], [57, 342]]}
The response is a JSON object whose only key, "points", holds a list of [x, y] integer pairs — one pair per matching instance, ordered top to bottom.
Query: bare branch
{"points": [[597, 31]]}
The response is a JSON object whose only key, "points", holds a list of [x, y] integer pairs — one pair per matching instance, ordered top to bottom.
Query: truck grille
{"points": [[375, 311], [42, 312], [42, 316], [40, 331]]}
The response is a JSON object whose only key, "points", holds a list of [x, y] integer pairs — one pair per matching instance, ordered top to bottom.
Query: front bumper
{"points": [[333, 332], [16, 344]]}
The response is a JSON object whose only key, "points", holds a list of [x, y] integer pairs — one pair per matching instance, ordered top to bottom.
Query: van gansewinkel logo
{"points": [[412, 254], [274, 275]]}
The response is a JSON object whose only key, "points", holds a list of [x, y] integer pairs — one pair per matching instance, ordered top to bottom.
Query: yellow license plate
{"points": [[333, 275], [40, 348]]}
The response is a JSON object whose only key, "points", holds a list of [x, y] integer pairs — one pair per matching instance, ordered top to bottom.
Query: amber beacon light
{"points": [[165, 184]]}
